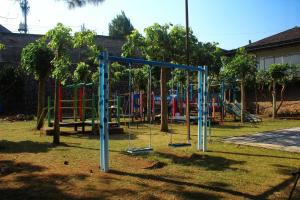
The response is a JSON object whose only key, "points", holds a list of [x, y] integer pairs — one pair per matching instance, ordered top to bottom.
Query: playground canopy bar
{"points": [[103, 100]]}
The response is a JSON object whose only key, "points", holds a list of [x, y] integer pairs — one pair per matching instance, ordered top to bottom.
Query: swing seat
{"points": [[175, 145], [139, 150]]}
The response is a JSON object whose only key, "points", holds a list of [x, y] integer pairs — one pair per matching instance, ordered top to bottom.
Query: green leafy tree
{"points": [[80, 3], [120, 26], [60, 42], [84, 42], [167, 43], [135, 45], [2, 46], [158, 46], [36, 60], [241, 67], [82, 73], [280, 74], [262, 80], [11, 86]]}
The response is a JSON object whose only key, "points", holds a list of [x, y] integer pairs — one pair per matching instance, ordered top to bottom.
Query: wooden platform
{"points": [[113, 127]]}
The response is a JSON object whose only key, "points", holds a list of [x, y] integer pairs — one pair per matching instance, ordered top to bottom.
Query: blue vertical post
{"points": [[177, 94], [103, 108], [200, 108], [205, 110]]}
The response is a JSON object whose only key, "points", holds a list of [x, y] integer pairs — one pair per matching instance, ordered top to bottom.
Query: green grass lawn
{"points": [[34, 169]]}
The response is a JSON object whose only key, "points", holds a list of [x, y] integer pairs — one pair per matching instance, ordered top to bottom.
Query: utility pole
{"points": [[25, 9], [187, 75]]}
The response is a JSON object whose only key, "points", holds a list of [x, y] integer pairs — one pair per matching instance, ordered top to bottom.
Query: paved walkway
{"points": [[285, 140]]}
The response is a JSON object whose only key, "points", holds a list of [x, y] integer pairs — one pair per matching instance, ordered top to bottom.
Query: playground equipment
{"points": [[103, 101], [217, 102], [177, 103], [137, 104], [232, 106], [235, 109], [83, 111], [76, 113], [115, 113], [175, 117]]}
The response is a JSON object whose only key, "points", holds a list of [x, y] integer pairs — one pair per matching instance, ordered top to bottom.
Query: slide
{"points": [[235, 109]]}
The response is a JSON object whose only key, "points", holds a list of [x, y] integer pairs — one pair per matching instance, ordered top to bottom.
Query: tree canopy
{"points": [[80, 3], [120, 26], [60, 42], [2, 46], [36, 59], [241, 66]]}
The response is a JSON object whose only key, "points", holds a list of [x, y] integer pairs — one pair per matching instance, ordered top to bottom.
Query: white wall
{"points": [[265, 62]]}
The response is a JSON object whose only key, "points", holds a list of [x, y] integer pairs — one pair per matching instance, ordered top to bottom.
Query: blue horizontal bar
{"points": [[153, 63]]}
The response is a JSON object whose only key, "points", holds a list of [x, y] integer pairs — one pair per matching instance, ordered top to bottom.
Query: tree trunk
{"points": [[149, 98], [281, 98], [180, 99], [256, 100], [273, 100], [163, 101], [242, 101], [41, 102], [187, 111], [56, 120]]}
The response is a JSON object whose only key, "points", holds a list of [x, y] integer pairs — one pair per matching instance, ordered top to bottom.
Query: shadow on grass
{"points": [[218, 126], [123, 136], [73, 145], [24, 146], [253, 155], [208, 162], [8, 166], [285, 170], [30, 185], [35, 186], [279, 187], [187, 195]]}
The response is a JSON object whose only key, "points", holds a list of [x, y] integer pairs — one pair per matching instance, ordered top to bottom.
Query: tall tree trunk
{"points": [[283, 87], [149, 99], [180, 99], [163, 100], [242, 100], [256, 100], [273, 100], [41, 102], [187, 111], [56, 120]]}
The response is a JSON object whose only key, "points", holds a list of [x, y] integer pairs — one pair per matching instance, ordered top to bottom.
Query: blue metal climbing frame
{"points": [[103, 100]]}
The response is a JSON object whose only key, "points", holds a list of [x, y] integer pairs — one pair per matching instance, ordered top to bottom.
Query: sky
{"points": [[231, 23]]}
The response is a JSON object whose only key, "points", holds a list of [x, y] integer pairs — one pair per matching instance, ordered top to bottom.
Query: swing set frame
{"points": [[105, 59]]}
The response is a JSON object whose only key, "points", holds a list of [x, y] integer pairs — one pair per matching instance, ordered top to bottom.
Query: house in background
{"points": [[4, 30], [282, 48]]}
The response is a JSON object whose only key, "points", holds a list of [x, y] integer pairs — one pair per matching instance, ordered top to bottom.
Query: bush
{"points": [[11, 88]]}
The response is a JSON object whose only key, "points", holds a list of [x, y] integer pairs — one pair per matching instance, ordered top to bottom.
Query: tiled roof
{"points": [[4, 30], [287, 37]]}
